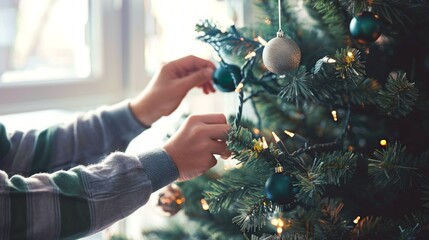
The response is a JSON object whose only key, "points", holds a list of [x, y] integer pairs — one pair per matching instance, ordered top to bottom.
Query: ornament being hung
{"points": [[365, 28], [281, 54], [223, 77], [279, 187], [171, 200]]}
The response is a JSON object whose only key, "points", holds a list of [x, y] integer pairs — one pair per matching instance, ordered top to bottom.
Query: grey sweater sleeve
{"points": [[86, 140], [83, 198]]}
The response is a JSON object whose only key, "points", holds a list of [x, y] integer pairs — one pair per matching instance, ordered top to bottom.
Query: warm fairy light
{"points": [[267, 21], [241, 39], [262, 41], [250, 55], [350, 57], [327, 59], [331, 60], [239, 87], [334, 115], [256, 131], [290, 134], [275, 137], [383, 142], [264, 143], [280, 143], [180, 201], [204, 204], [356, 220], [275, 221], [280, 224], [279, 230]]}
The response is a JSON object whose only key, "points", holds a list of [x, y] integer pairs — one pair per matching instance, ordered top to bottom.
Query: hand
{"points": [[170, 85], [193, 146]]}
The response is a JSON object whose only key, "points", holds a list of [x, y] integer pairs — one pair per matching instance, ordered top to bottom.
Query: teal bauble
{"points": [[365, 28], [223, 77], [279, 189]]}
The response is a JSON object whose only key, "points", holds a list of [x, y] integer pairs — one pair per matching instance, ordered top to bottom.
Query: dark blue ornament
{"points": [[365, 28], [222, 77], [279, 189]]}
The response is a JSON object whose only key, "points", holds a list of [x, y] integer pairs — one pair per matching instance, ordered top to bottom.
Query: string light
{"points": [[267, 21], [262, 41], [250, 55], [350, 57], [327, 59], [239, 87], [334, 115], [256, 131], [290, 134], [383, 142], [264, 143], [279, 143], [204, 204], [356, 220], [281, 224]]}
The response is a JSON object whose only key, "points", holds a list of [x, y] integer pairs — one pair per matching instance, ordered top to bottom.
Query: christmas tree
{"points": [[337, 145]]}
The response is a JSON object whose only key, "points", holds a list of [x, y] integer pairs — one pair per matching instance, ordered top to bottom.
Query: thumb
{"points": [[197, 78]]}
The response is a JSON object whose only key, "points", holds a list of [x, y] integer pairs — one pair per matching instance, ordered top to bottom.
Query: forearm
{"points": [[84, 141], [82, 200]]}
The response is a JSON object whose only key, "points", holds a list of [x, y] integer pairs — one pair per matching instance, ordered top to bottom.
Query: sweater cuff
{"points": [[159, 168]]}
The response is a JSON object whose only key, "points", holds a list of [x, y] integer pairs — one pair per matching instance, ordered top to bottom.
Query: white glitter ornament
{"points": [[281, 54]]}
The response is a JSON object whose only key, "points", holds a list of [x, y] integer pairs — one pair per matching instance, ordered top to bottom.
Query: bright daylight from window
{"points": [[43, 40]]}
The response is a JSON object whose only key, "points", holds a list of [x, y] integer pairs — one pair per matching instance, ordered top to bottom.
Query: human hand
{"points": [[170, 85], [193, 146]]}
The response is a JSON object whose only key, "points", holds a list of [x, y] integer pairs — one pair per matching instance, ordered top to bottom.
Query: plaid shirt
{"points": [[62, 183]]}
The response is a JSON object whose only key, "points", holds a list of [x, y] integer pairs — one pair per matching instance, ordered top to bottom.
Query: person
{"points": [[73, 179]]}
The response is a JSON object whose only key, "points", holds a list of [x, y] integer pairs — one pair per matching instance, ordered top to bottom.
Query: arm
{"points": [[101, 132], [83, 141], [87, 199], [82, 200]]}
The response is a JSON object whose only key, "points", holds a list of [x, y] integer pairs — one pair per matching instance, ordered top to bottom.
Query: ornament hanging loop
{"points": [[279, 168]]}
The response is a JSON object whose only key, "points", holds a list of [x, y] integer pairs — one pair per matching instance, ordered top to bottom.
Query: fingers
{"points": [[192, 63], [198, 78], [207, 87], [213, 118], [217, 131], [220, 148]]}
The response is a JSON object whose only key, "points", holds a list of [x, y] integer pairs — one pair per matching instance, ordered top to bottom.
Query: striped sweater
{"points": [[72, 180]]}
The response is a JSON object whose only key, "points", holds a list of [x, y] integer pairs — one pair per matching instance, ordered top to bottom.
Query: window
{"points": [[59, 53]]}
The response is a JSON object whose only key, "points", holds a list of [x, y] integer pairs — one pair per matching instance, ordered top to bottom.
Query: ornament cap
{"points": [[280, 33], [279, 168]]}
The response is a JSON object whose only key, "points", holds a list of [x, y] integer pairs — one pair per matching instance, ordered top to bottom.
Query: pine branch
{"points": [[333, 19], [349, 65], [297, 86], [398, 96], [339, 167], [393, 167], [311, 182], [235, 186], [253, 213], [331, 225], [367, 228]]}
